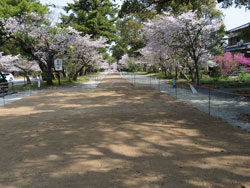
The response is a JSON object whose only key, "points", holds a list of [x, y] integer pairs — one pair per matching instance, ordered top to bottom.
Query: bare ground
{"points": [[118, 136]]}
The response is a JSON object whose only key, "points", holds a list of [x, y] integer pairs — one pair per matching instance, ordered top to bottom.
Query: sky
{"points": [[233, 17]]}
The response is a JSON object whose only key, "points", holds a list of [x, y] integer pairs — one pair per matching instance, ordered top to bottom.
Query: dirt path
{"points": [[117, 136]]}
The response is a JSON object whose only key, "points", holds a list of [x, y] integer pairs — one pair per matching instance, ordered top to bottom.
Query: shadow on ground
{"points": [[117, 136]]}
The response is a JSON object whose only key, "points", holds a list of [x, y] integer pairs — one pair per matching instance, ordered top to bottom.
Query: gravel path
{"points": [[222, 105]]}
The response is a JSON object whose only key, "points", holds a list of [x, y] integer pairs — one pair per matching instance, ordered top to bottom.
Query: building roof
{"points": [[238, 28]]}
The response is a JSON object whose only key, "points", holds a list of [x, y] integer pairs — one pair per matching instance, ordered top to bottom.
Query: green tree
{"points": [[237, 3], [174, 6], [18, 7], [93, 17], [130, 37]]}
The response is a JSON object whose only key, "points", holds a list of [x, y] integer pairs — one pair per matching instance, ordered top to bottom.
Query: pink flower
{"points": [[227, 64]]}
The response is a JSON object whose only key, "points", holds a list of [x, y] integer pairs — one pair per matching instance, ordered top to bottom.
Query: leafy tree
{"points": [[237, 3], [173, 6], [17, 8], [94, 17], [187, 35], [130, 37], [43, 42], [46, 43], [119, 49], [83, 53], [6, 61]]}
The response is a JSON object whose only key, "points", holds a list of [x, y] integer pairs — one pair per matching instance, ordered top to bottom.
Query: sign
{"points": [[58, 64]]}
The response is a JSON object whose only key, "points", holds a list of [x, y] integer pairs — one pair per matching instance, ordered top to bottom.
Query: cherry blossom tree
{"points": [[187, 35], [42, 41], [45, 43], [84, 53], [7, 62], [123, 62], [127, 63], [16, 64]]}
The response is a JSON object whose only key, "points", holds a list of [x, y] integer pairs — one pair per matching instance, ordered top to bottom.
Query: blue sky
{"points": [[234, 17]]}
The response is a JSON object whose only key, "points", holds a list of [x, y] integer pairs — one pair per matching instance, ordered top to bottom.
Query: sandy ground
{"points": [[117, 136]]}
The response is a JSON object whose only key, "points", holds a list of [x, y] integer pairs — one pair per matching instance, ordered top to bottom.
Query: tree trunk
{"points": [[144, 68], [154, 69], [86, 70], [49, 71], [77, 72], [81, 72], [165, 72], [25, 73], [64, 73], [176, 73], [197, 73], [192, 74], [27, 78]]}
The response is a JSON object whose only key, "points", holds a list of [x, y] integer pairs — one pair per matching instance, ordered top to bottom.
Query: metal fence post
{"points": [[150, 81], [159, 84], [30, 88], [176, 92], [209, 98], [3, 99]]}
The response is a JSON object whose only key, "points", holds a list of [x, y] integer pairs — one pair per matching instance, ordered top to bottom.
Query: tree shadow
{"points": [[118, 137]]}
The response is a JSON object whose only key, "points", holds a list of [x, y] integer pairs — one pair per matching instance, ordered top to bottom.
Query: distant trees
{"points": [[129, 37], [83, 53], [6, 61]]}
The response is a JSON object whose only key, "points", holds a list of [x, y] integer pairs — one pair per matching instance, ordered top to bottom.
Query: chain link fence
{"points": [[221, 103]]}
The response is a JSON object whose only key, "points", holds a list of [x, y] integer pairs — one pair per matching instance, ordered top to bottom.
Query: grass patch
{"points": [[65, 82], [218, 82], [226, 82]]}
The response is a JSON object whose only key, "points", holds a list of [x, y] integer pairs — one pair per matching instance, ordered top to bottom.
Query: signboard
{"points": [[58, 64]]}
